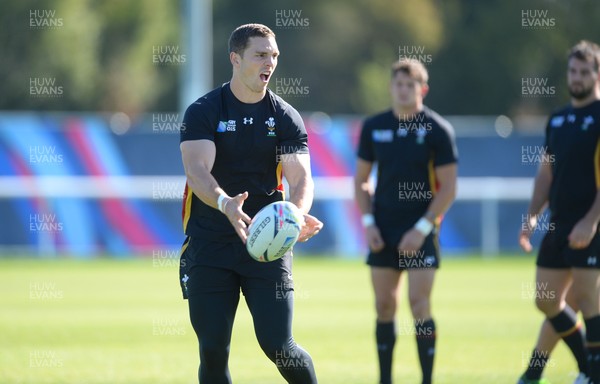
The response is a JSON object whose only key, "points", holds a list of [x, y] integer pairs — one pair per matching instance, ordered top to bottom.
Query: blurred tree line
{"points": [[335, 55]]}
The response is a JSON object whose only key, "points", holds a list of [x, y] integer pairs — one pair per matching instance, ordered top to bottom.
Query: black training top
{"points": [[249, 140], [573, 150], [406, 152]]}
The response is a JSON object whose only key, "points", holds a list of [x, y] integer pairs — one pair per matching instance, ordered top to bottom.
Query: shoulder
{"points": [[207, 103], [281, 106], [378, 119], [438, 122]]}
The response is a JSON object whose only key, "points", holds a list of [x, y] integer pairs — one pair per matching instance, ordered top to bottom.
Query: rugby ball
{"points": [[273, 231]]}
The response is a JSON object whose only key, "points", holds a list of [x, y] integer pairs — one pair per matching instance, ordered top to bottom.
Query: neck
{"points": [[245, 94], [580, 103], [403, 112]]}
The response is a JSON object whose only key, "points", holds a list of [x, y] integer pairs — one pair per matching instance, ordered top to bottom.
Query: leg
{"points": [[420, 284], [385, 286], [551, 287], [586, 289], [550, 290], [213, 296], [272, 312], [212, 316], [546, 342]]}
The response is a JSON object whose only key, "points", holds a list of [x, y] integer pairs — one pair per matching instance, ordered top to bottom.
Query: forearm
{"points": [[204, 185], [541, 189], [302, 193], [363, 197], [441, 202]]}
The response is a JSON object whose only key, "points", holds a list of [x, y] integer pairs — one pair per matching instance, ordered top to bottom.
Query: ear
{"points": [[235, 59], [424, 90]]}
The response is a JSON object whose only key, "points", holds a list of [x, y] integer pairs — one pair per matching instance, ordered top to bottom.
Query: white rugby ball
{"points": [[273, 231]]}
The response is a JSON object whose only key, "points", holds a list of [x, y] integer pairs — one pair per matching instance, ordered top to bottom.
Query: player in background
{"points": [[237, 141], [414, 150], [569, 182]]}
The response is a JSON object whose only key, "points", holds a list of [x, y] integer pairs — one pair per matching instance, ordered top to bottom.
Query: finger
{"points": [[242, 196], [244, 217], [241, 231]]}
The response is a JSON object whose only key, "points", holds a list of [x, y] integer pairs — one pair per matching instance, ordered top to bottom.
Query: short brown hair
{"points": [[238, 41], [586, 51], [413, 68]]}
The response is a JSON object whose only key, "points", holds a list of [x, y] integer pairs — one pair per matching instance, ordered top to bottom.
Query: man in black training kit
{"points": [[237, 141], [569, 181], [416, 182]]}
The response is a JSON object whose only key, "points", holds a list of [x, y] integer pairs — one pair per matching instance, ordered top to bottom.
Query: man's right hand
{"points": [[232, 208], [527, 229], [374, 238]]}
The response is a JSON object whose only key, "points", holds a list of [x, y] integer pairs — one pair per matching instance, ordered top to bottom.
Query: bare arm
{"points": [[198, 158], [296, 168], [446, 177], [541, 190], [362, 193], [445, 195], [363, 196]]}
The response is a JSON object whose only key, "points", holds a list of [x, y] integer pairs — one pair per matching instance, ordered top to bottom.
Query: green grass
{"points": [[107, 321]]}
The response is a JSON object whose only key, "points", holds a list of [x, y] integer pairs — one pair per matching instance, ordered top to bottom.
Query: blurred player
{"points": [[236, 141], [416, 157], [569, 182]]}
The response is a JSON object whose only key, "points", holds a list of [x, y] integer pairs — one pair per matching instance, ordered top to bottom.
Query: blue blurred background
{"points": [[93, 95]]}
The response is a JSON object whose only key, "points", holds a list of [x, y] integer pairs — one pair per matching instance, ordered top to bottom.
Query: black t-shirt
{"points": [[249, 140], [573, 149], [406, 153]]}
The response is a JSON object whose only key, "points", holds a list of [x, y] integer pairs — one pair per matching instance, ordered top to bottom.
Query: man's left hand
{"points": [[311, 227], [582, 234], [412, 241]]}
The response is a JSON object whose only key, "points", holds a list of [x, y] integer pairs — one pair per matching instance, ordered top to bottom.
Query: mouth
{"points": [[265, 76]]}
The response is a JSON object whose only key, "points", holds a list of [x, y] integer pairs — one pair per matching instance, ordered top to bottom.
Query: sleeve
{"points": [[196, 124], [293, 137], [365, 144], [444, 146]]}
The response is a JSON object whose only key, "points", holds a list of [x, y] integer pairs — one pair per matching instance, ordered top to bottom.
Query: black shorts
{"points": [[556, 253], [389, 257], [208, 266]]}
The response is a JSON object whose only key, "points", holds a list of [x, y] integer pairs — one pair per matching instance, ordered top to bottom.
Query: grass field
{"points": [[109, 321]]}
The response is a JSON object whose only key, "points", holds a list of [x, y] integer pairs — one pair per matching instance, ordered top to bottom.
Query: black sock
{"points": [[567, 327], [425, 332], [592, 335], [386, 338], [537, 363]]}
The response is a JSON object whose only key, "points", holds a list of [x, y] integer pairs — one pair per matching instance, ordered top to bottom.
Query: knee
{"points": [[588, 304], [419, 306], [548, 306], [385, 308], [273, 346], [213, 357]]}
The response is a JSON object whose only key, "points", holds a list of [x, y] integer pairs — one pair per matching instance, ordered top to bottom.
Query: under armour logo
{"points": [[571, 118], [248, 120], [591, 260], [185, 278]]}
